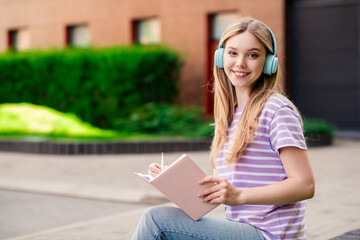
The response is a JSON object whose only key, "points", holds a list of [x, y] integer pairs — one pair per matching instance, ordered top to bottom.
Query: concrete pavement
{"points": [[333, 211], [22, 213]]}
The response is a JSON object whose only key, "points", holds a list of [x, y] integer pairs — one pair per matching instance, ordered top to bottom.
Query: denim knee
{"points": [[148, 227]]}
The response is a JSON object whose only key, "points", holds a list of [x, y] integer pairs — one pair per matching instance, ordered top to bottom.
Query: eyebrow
{"points": [[252, 49], [255, 49]]}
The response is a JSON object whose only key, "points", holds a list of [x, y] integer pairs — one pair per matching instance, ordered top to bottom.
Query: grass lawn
{"points": [[32, 122]]}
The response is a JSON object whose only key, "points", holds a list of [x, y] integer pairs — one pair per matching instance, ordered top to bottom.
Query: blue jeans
{"points": [[162, 223]]}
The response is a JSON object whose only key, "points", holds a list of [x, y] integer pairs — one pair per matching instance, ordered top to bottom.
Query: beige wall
{"points": [[183, 26]]}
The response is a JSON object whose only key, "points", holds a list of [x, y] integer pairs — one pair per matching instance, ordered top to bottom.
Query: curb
{"points": [[319, 140], [68, 148], [83, 148]]}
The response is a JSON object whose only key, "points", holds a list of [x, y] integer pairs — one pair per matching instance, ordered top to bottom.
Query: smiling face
{"points": [[244, 60]]}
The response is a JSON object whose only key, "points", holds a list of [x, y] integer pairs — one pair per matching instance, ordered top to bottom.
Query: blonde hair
{"points": [[225, 96]]}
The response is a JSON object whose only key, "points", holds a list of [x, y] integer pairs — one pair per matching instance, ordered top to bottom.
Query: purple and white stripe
{"points": [[279, 126]]}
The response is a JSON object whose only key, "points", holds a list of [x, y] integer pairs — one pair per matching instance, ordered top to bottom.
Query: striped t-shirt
{"points": [[279, 125]]}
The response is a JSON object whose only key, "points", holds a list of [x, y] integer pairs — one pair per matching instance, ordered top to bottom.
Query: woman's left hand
{"points": [[221, 192]]}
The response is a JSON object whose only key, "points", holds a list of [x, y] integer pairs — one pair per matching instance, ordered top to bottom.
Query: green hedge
{"points": [[101, 86], [168, 120], [313, 127]]}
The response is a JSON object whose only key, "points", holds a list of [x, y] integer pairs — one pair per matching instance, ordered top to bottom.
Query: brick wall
{"points": [[183, 26]]}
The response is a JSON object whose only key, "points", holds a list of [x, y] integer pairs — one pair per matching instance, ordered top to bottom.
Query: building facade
{"points": [[191, 27]]}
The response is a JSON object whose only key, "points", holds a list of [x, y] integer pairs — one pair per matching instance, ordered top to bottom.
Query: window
{"points": [[219, 22], [147, 31], [78, 35], [19, 39]]}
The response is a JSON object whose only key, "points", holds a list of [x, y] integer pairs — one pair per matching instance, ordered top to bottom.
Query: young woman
{"points": [[262, 172]]}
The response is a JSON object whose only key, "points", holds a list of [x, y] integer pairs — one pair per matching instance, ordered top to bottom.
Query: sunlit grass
{"points": [[25, 119]]}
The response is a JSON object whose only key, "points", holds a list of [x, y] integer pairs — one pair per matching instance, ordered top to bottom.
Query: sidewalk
{"points": [[333, 211]]}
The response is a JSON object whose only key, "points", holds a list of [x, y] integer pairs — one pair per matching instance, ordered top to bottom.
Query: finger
{"points": [[155, 165], [154, 169], [209, 179], [210, 190], [215, 197], [218, 200]]}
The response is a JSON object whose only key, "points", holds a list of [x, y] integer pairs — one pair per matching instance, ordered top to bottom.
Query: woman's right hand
{"points": [[154, 169]]}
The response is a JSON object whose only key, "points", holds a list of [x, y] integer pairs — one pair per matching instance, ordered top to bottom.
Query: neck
{"points": [[242, 97]]}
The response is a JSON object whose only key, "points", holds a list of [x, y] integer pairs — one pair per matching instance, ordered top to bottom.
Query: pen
{"points": [[162, 161]]}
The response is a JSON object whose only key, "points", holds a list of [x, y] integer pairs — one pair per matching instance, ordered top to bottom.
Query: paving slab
{"points": [[332, 212], [24, 213]]}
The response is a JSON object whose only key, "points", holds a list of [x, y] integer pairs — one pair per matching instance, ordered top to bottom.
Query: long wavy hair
{"points": [[225, 96]]}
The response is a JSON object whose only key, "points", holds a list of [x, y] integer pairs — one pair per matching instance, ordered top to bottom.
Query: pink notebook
{"points": [[179, 183]]}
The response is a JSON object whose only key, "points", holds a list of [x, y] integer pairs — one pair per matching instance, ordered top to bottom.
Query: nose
{"points": [[241, 61]]}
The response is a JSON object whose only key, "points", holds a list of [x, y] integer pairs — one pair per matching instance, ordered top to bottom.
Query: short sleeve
{"points": [[286, 129]]}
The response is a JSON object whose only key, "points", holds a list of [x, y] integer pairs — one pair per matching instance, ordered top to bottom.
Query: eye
{"points": [[232, 53], [253, 55]]}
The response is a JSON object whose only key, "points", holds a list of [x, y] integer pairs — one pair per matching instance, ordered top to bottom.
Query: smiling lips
{"points": [[240, 74]]}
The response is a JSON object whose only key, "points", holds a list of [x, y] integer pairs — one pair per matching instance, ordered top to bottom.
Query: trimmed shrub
{"points": [[101, 86], [167, 120], [317, 127], [318, 132]]}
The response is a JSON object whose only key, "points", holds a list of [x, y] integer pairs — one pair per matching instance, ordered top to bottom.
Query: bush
{"points": [[101, 86], [168, 120], [314, 127], [318, 132]]}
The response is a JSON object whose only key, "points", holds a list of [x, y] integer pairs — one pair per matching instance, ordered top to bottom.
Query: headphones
{"points": [[271, 62]]}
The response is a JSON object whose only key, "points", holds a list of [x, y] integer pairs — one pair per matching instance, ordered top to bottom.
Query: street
{"points": [[24, 213]]}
